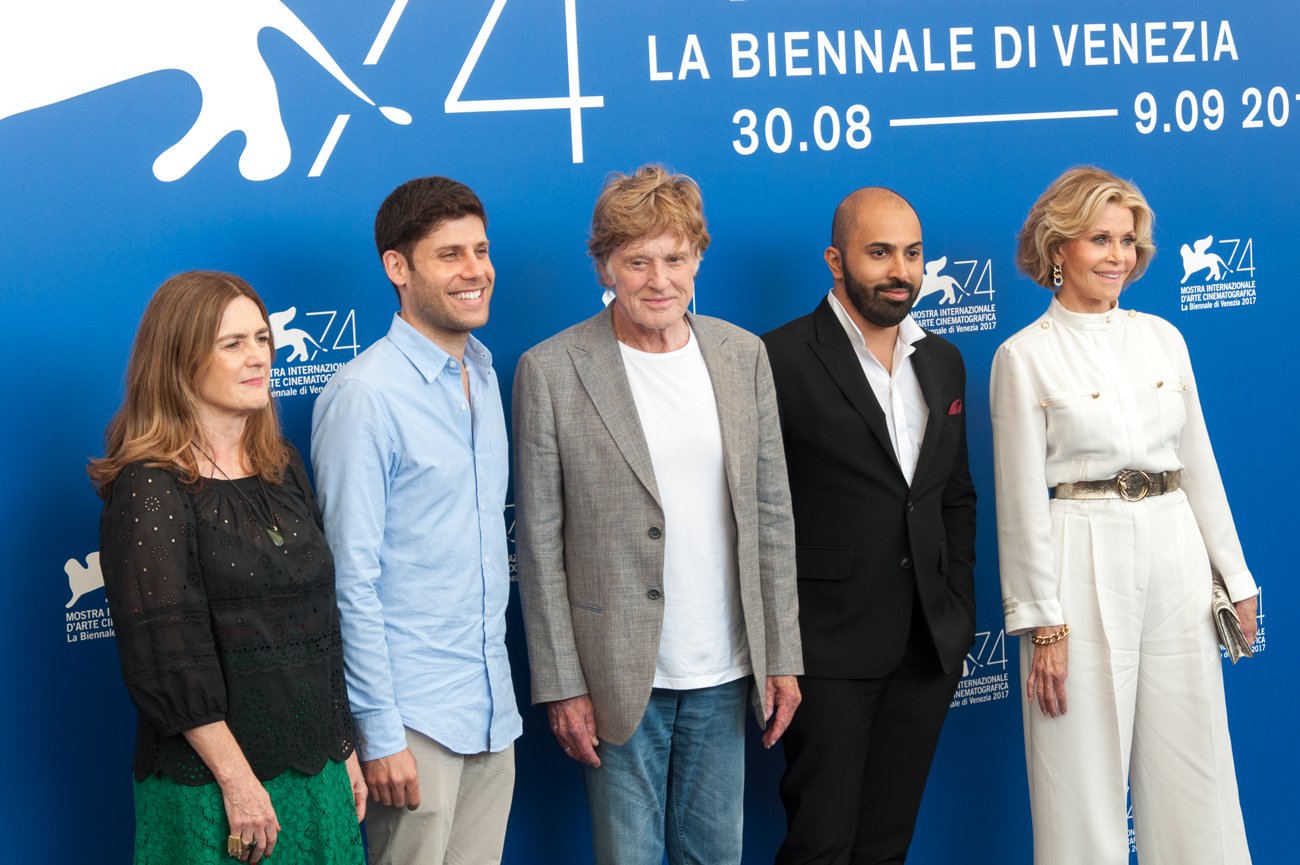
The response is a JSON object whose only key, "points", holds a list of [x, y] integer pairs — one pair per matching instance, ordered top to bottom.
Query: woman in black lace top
{"points": [[222, 592]]}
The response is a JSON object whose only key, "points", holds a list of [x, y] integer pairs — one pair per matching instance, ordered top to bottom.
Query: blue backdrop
{"points": [[248, 136]]}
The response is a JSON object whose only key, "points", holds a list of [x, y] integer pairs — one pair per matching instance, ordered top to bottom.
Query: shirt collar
{"points": [[1086, 320], [909, 332], [429, 358]]}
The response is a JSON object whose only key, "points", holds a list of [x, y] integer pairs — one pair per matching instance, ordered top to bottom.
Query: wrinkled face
{"points": [[1095, 266], [879, 271], [653, 279], [446, 286], [234, 383]]}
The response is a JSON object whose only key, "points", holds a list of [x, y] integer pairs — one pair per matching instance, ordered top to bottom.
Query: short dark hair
{"points": [[417, 207]]}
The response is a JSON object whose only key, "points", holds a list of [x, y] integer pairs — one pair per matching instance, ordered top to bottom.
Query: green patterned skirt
{"points": [[175, 823]]}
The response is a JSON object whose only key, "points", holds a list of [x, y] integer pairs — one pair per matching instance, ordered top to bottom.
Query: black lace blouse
{"points": [[215, 622]]}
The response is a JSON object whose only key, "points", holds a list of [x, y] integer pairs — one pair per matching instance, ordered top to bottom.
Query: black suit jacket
{"points": [[867, 543]]}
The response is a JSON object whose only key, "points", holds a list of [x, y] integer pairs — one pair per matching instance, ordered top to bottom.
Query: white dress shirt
{"points": [[899, 393]]}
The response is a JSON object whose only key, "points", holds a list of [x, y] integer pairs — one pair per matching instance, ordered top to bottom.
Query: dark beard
{"points": [[876, 308]]}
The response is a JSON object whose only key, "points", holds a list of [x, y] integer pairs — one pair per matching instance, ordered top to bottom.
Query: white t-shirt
{"points": [[703, 642]]}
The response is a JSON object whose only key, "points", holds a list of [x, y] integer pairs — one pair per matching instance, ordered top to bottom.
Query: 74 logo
{"points": [[989, 650]]}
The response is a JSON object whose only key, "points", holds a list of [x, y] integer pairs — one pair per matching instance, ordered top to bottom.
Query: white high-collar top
{"points": [[899, 392], [1081, 397]]}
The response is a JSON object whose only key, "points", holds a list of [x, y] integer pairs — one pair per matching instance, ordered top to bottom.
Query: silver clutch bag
{"points": [[1227, 623]]}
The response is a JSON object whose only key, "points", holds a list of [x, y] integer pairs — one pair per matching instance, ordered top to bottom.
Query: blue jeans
{"points": [[682, 771]]}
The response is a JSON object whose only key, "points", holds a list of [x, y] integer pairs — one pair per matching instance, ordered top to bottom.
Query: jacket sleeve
{"points": [[959, 512], [775, 532], [539, 539]]}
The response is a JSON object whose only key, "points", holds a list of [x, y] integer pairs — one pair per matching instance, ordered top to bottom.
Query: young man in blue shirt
{"points": [[411, 459]]}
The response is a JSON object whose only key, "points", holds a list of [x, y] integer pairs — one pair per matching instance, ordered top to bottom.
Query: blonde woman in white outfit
{"points": [[1109, 578]]}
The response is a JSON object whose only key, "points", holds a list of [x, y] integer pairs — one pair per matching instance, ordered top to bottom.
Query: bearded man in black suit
{"points": [[873, 415]]}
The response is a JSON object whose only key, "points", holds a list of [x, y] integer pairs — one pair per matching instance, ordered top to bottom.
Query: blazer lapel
{"points": [[836, 353], [599, 366], [931, 381], [728, 391]]}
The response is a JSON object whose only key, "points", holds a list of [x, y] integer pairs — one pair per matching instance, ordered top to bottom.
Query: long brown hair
{"points": [[158, 420]]}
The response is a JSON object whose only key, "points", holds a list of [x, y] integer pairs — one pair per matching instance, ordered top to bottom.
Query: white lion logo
{"points": [[53, 50], [1197, 257], [932, 282], [294, 336], [83, 579]]}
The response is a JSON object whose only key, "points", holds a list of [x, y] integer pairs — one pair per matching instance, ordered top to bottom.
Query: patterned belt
{"points": [[1131, 485]]}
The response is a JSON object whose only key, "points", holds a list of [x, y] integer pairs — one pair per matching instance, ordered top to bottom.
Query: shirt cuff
{"points": [[1241, 585], [1024, 616], [380, 734]]}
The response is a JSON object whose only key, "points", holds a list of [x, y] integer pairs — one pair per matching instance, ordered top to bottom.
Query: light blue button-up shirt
{"points": [[411, 477]]}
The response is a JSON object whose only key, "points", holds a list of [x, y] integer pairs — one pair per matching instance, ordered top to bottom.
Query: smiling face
{"points": [[1095, 266], [879, 271], [653, 279], [446, 285], [233, 383]]}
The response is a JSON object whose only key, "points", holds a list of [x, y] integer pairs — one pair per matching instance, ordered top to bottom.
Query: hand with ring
{"points": [[238, 848]]}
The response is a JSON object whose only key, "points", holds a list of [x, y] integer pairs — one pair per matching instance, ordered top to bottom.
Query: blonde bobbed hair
{"points": [[1072, 205]]}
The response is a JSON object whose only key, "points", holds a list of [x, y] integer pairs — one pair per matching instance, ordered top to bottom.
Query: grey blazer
{"points": [[590, 527]]}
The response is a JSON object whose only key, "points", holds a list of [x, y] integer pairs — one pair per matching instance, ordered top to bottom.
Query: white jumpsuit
{"points": [[1077, 397]]}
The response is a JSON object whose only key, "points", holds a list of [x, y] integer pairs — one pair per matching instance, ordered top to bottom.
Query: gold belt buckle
{"points": [[1133, 485]]}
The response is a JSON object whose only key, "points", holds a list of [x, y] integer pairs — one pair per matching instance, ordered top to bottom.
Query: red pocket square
{"points": [[955, 408]]}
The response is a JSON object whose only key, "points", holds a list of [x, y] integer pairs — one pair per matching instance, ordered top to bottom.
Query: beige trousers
{"points": [[1145, 696], [464, 805]]}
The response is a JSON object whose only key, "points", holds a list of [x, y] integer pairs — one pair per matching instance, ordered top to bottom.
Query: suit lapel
{"points": [[836, 353], [599, 366], [931, 381], [729, 389]]}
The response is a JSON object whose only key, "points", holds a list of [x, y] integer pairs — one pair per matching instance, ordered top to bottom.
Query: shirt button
{"points": [[452, 364], [464, 407], [655, 533], [905, 563], [654, 594]]}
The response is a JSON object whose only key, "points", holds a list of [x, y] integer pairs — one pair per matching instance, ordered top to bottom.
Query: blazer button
{"points": [[910, 507], [655, 533], [905, 563], [654, 594]]}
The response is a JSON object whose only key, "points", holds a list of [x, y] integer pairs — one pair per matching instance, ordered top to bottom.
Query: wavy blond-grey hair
{"points": [[648, 202], [1068, 208]]}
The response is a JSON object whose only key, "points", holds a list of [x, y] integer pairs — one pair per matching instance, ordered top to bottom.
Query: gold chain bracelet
{"points": [[1061, 633]]}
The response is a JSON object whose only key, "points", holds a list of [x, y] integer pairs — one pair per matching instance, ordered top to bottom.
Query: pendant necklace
{"points": [[272, 530]]}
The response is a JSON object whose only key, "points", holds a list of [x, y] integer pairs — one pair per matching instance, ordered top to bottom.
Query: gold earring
{"points": [[1057, 279]]}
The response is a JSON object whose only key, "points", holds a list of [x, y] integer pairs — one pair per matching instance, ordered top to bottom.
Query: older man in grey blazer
{"points": [[655, 539]]}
